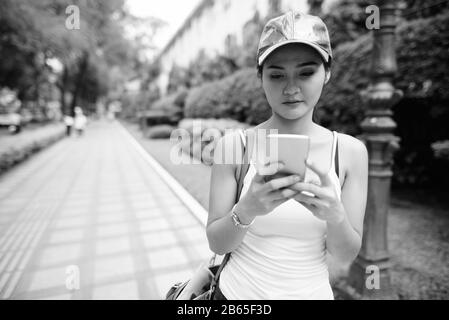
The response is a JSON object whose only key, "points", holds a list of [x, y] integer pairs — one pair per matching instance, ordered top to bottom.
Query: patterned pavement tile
{"points": [[92, 211]]}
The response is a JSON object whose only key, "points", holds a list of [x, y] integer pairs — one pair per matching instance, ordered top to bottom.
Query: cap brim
{"points": [[321, 51]]}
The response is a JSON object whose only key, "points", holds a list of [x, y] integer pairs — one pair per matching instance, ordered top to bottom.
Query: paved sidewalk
{"points": [[93, 207]]}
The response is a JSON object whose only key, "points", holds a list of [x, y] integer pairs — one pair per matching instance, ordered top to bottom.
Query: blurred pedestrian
{"points": [[68, 120], [80, 121], [280, 230]]}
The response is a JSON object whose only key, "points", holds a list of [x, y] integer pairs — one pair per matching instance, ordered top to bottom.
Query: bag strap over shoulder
{"points": [[242, 168]]}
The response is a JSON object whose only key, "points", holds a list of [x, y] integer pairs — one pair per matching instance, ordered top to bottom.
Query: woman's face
{"points": [[293, 77]]}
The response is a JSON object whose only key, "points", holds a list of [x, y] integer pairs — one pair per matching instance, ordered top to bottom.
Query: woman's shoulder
{"points": [[351, 144], [352, 151]]}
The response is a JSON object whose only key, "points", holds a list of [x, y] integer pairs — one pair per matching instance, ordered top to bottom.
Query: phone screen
{"points": [[292, 150]]}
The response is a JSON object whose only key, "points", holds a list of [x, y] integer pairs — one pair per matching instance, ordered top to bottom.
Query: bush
{"points": [[345, 20], [420, 44], [203, 69], [239, 96], [248, 98], [208, 100], [171, 105], [167, 110], [421, 116], [152, 118], [220, 124], [162, 131], [203, 134], [27, 144]]}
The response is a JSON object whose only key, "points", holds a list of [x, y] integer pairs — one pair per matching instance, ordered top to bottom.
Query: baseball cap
{"points": [[294, 27]]}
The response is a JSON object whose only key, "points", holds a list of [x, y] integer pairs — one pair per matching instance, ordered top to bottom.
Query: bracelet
{"points": [[237, 222]]}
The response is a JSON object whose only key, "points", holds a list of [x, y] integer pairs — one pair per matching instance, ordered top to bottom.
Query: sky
{"points": [[174, 12]]}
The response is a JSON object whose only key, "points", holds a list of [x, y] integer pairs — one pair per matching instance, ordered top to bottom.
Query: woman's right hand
{"points": [[264, 196]]}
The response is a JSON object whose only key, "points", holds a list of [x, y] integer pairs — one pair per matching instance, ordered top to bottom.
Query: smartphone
{"points": [[292, 150]]}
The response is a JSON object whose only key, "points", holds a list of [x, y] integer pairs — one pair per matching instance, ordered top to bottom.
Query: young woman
{"points": [[279, 236]]}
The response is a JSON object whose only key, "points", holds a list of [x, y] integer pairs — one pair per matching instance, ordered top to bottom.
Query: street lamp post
{"points": [[369, 275]]}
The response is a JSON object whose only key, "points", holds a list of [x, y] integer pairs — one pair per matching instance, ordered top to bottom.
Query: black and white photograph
{"points": [[246, 150]]}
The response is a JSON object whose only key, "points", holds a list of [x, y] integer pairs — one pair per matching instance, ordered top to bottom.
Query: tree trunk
{"points": [[83, 64], [63, 89]]}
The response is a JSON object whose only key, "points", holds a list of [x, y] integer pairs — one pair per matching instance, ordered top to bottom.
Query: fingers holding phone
{"points": [[283, 167], [277, 175], [273, 180], [263, 196]]}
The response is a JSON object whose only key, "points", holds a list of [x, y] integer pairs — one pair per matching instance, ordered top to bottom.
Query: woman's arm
{"points": [[344, 217], [222, 234], [344, 239]]}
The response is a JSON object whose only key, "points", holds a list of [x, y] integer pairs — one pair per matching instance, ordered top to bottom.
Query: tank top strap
{"points": [[242, 136], [334, 147]]}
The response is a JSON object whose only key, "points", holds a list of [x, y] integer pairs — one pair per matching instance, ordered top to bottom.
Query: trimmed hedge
{"points": [[239, 96], [172, 102], [167, 110], [162, 131], [203, 135], [17, 148]]}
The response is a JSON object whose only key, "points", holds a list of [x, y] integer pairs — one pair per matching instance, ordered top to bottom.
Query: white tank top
{"points": [[283, 254]]}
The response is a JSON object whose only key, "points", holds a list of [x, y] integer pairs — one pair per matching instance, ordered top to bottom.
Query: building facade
{"points": [[208, 27]]}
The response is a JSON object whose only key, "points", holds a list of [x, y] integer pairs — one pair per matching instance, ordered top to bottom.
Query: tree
{"points": [[345, 20], [34, 32]]}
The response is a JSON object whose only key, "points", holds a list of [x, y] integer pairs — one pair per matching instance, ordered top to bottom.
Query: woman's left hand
{"points": [[323, 200]]}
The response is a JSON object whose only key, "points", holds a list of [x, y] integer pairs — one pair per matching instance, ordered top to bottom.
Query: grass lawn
{"points": [[418, 227]]}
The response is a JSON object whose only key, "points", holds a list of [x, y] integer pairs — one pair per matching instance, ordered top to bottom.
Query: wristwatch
{"points": [[236, 220]]}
